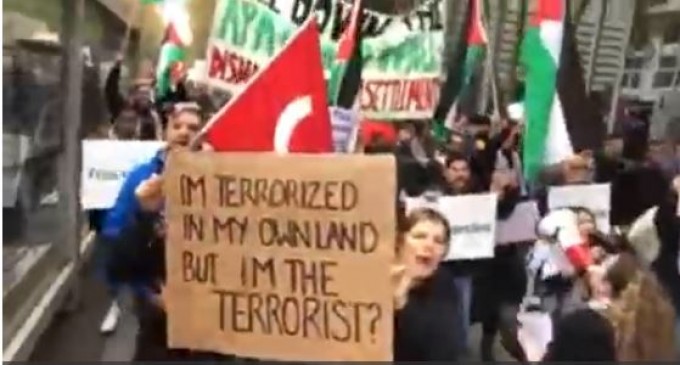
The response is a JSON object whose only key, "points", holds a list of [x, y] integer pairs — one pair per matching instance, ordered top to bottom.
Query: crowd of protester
{"points": [[618, 304]]}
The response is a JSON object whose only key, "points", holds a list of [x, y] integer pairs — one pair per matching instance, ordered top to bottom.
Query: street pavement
{"points": [[75, 336]]}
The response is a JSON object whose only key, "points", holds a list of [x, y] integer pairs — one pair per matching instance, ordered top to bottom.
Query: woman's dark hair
{"points": [[636, 140], [584, 210], [610, 244], [583, 335]]}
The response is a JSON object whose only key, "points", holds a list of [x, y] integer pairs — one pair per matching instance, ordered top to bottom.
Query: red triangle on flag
{"points": [[549, 10], [476, 32], [348, 39], [283, 108]]}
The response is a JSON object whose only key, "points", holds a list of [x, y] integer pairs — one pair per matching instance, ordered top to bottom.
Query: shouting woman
{"points": [[425, 300]]}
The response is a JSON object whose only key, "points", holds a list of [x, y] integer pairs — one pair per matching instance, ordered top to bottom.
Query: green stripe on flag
{"points": [[170, 53], [475, 55], [472, 75], [455, 77], [345, 78], [335, 82], [540, 87]]}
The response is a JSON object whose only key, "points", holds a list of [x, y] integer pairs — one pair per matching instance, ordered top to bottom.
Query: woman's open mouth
{"points": [[181, 143], [424, 260]]}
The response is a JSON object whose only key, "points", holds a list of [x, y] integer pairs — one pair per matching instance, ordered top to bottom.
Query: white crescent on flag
{"points": [[292, 115]]}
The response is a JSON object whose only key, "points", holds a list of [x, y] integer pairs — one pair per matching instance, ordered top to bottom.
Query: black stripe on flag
{"points": [[456, 66], [350, 85], [584, 122]]}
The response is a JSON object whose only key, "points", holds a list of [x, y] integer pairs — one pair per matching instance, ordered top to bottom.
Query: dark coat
{"points": [[636, 188], [666, 265], [426, 328]]}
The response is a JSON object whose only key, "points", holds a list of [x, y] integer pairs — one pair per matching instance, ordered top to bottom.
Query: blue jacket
{"points": [[121, 218]]}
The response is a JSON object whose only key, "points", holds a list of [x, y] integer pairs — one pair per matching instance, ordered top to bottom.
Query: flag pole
{"points": [[131, 20], [519, 34], [491, 47], [210, 88], [482, 97], [498, 97]]}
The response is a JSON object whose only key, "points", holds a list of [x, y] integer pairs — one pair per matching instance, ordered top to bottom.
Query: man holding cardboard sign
{"points": [[131, 232], [264, 261]]}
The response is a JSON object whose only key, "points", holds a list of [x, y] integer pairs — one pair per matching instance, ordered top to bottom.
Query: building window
{"points": [[671, 35], [668, 61], [634, 63], [632, 70], [665, 74], [663, 79], [630, 80]]}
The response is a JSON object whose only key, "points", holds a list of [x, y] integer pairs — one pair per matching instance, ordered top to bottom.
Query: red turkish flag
{"points": [[283, 108]]}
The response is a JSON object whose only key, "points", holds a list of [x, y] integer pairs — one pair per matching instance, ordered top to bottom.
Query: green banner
{"points": [[402, 55]]}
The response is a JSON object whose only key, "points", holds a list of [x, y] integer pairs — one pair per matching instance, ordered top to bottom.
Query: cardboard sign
{"points": [[401, 56], [345, 124], [105, 166], [595, 197], [472, 219], [520, 226], [281, 257]]}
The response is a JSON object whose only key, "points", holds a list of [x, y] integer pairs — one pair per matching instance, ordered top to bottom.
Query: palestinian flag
{"points": [[177, 37], [473, 68], [464, 71], [345, 80], [560, 117]]}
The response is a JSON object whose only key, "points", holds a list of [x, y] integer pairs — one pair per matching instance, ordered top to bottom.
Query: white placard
{"points": [[344, 123], [105, 165], [595, 197], [473, 223], [520, 226], [535, 333]]}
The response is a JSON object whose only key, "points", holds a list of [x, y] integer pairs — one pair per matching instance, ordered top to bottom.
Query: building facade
{"points": [[603, 31], [51, 56], [652, 67]]}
